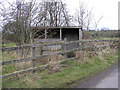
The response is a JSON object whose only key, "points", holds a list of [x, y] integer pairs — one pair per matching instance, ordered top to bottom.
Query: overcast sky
{"points": [[106, 8]]}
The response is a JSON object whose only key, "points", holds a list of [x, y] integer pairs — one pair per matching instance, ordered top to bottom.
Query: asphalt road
{"points": [[106, 79]]}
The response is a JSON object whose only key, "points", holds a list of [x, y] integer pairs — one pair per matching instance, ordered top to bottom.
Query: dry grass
{"points": [[102, 43], [105, 51], [24, 53], [15, 54], [81, 56], [55, 58], [51, 60], [41, 61], [23, 65], [54, 68], [29, 77], [32, 77]]}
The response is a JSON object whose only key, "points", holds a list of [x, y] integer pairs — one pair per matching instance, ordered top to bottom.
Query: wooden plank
{"points": [[54, 43], [101, 46], [15, 48], [26, 59], [15, 61], [31, 69]]}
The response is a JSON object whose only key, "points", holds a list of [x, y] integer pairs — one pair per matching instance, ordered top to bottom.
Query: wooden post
{"points": [[45, 33], [60, 34], [80, 36], [110, 43], [65, 47], [95, 47], [41, 51], [18, 52], [33, 55]]}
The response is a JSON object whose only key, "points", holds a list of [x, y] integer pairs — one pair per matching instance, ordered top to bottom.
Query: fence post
{"points": [[45, 33], [60, 34], [80, 36], [111, 43], [65, 47], [95, 47], [41, 51], [18, 52], [33, 55]]}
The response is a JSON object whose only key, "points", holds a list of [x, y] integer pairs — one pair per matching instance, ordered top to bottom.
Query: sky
{"points": [[106, 8]]}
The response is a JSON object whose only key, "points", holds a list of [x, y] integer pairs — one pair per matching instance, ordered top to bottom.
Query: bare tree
{"points": [[52, 14], [55, 14], [84, 16], [19, 19], [23, 19], [97, 22]]}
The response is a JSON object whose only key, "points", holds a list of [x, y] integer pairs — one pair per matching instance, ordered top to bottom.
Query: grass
{"points": [[107, 38], [11, 44], [9, 55], [8, 69], [67, 77]]}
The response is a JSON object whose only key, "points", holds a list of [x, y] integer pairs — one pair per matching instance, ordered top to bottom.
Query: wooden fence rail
{"points": [[54, 43], [34, 57]]}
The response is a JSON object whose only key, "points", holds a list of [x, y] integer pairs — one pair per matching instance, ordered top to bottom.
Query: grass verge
{"points": [[73, 72]]}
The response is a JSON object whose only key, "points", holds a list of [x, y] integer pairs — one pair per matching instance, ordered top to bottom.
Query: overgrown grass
{"points": [[73, 72]]}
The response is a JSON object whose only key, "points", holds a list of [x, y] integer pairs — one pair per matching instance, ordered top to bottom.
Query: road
{"points": [[106, 79]]}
